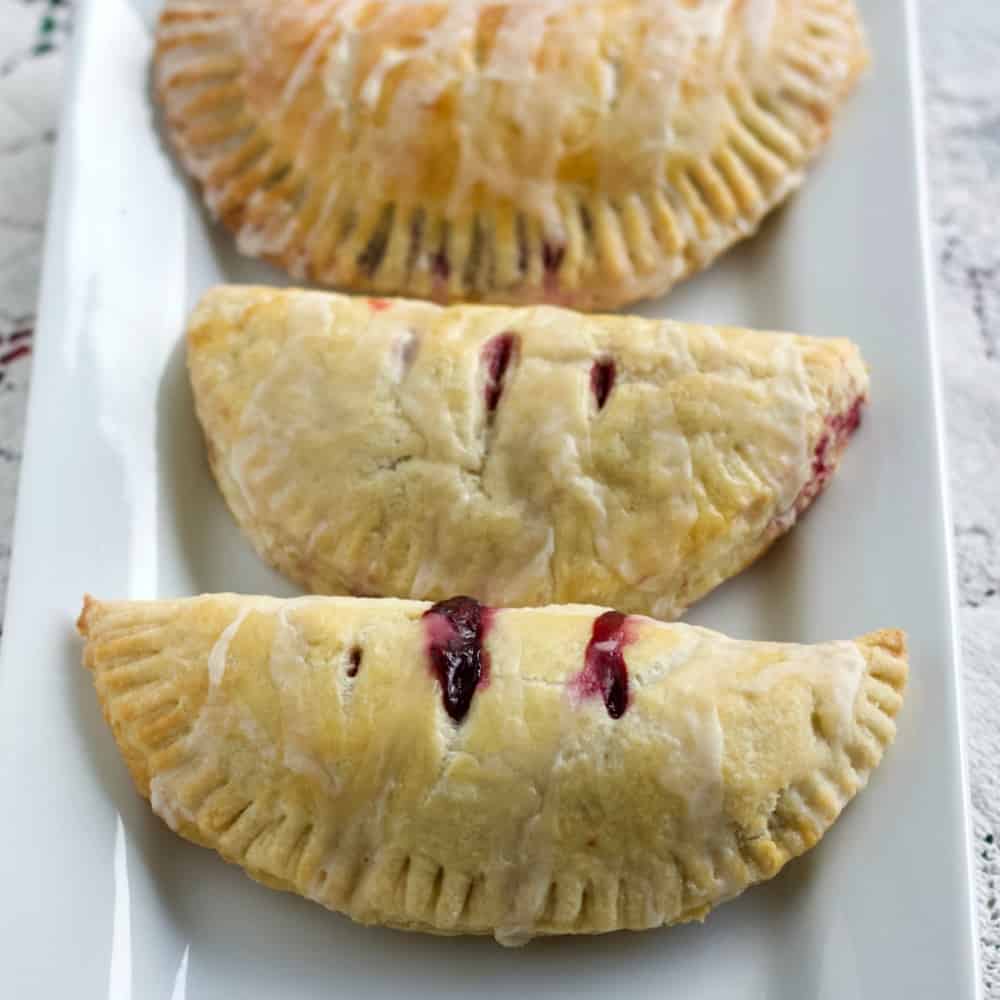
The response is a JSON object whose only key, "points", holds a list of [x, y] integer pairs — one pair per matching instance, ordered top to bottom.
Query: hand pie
{"points": [[584, 153], [522, 456], [462, 769]]}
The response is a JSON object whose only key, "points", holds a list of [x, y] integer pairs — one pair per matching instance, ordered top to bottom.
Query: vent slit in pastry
{"points": [[498, 352], [602, 380], [637, 464], [456, 630], [354, 661], [605, 672], [541, 812]]}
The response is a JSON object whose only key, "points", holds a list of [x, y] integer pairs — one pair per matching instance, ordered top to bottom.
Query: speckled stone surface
{"points": [[961, 42]]}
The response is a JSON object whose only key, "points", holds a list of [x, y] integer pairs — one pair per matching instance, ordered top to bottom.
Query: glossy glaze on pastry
{"points": [[583, 153], [520, 456], [311, 741]]}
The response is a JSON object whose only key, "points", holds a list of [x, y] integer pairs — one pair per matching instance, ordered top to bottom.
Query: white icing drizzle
{"points": [[758, 19], [313, 54], [550, 81], [404, 351], [296, 399], [253, 458], [319, 530], [219, 652], [288, 667], [701, 669], [835, 669], [217, 713], [700, 737], [164, 804]]}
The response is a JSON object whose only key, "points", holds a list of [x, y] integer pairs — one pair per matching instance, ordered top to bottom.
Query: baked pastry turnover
{"points": [[584, 153], [522, 456], [462, 769]]}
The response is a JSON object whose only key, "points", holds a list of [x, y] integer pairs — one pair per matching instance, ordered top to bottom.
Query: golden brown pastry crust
{"points": [[585, 153], [522, 456], [538, 812]]}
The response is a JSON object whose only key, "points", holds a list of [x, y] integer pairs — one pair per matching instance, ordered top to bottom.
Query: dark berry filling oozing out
{"points": [[497, 354], [602, 380], [839, 428], [456, 630], [354, 661], [604, 669]]}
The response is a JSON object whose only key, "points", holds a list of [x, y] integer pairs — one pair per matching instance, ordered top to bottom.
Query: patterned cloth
{"points": [[32, 37], [962, 80]]}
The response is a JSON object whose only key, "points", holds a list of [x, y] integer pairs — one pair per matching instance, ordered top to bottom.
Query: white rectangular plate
{"points": [[101, 900]]}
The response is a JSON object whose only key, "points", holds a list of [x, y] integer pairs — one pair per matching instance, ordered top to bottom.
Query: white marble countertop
{"points": [[961, 42]]}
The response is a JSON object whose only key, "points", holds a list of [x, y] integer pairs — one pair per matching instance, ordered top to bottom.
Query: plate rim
{"points": [[928, 293], [52, 309]]}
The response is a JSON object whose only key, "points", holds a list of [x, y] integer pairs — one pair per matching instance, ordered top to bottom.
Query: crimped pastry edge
{"points": [[601, 254], [801, 813]]}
